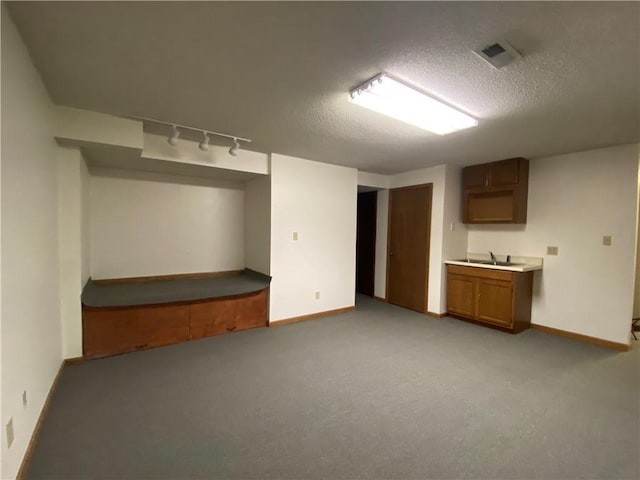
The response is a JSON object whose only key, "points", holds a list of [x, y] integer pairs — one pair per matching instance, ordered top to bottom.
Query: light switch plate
{"points": [[295, 235], [606, 240], [552, 250]]}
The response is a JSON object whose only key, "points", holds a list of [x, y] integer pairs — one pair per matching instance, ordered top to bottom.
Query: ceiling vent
{"points": [[499, 54]]}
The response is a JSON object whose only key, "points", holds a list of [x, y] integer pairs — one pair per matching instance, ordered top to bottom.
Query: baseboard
{"points": [[382, 299], [437, 315], [311, 316], [584, 338], [74, 360], [36, 431]]}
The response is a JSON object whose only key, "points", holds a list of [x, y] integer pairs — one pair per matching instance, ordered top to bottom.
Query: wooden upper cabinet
{"points": [[504, 172], [476, 176], [496, 192]]}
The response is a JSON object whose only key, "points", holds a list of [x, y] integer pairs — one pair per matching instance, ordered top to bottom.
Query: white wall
{"points": [[93, 127], [187, 152], [375, 180], [574, 200], [318, 201], [382, 220], [151, 224], [257, 224], [454, 241], [72, 245], [31, 333]]}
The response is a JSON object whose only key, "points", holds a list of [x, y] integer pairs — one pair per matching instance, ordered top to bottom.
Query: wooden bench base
{"points": [[113, 330]]}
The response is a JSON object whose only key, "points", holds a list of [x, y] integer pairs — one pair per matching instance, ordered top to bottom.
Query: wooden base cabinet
{"points": [[499, 298], [113, 330]]}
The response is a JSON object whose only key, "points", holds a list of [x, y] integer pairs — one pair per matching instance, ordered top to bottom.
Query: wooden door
{"points": [[366, 242], [408, 246], [495, 301]]}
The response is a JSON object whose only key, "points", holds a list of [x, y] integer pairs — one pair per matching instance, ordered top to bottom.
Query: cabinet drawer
{"points": [[479, 272]]}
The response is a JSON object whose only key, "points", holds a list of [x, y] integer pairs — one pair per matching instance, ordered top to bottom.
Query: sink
{"points": [[471, 260], [489, 262]]}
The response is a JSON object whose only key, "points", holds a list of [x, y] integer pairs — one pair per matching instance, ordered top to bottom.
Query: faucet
{"points": [[493, 257]]}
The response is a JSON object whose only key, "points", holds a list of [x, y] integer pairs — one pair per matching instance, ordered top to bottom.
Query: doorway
{"points": [[409, 237], [366, 243]]}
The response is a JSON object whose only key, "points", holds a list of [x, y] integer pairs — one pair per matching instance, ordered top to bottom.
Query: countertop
{"points": [[518, 263], [168, 291]]}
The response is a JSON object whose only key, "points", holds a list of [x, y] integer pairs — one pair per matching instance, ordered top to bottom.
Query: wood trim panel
{"points": [[178, 276], [311, 316], [584, 338], [74, 360], [36, 431]]}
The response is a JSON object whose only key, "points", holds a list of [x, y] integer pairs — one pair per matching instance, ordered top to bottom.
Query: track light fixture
{"points": [[173, 139], [204, 145], [233, 151]]}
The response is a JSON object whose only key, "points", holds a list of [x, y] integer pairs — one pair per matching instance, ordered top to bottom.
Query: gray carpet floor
{"points": [[381, 392]]}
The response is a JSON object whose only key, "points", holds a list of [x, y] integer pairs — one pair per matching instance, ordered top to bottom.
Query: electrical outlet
{"points": [[295, 235], [606, 240], [552, 250], [317, 295], [25, 401], [9, 430]]}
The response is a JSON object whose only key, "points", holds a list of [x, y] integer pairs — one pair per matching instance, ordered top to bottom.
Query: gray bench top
{"points": [[175, 290]]}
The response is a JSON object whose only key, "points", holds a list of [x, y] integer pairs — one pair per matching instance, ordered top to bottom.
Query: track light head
{"points": [[173, 139], [204, 144], [233, 151]]}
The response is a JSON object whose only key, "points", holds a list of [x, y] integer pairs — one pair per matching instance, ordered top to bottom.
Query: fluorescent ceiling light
{"points": [[385, 95]]}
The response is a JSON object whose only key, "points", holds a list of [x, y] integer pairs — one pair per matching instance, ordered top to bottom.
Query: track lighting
{"points": [[173, 139], [204, 144], [233, 151]]}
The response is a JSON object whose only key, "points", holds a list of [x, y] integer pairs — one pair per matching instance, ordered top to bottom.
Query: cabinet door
{"points": [[504, 173], [475, 176], [461, 295], [495, 301], [252, 311], [213, 318], [108, 331]]}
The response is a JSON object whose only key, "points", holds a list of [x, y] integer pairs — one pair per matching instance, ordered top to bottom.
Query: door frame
{"points": [[429, 187]]}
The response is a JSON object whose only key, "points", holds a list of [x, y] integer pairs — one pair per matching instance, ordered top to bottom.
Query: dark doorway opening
{"points": [[366, 243]]}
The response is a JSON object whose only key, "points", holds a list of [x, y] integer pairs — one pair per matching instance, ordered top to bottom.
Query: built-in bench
{"points": [[123, 315]]}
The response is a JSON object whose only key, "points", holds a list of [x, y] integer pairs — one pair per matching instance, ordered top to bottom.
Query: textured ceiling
{"points": [[279, 73]]}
